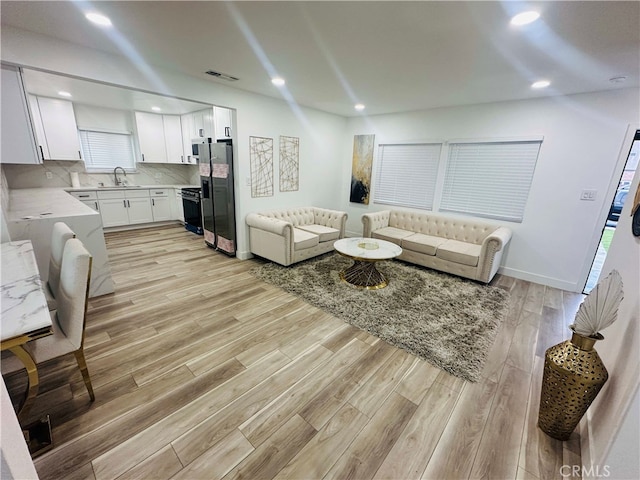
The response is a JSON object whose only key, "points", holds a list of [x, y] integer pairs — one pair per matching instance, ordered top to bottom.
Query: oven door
{"points": [[192, 213]]}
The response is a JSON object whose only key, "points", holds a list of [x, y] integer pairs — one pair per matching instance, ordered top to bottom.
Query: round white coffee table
{"points": [[365, 252]]}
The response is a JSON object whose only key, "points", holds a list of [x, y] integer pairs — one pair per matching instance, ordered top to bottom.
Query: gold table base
{"points": [[364, 275]]}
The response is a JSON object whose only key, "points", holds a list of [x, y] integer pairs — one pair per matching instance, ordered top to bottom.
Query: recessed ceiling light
{"points": [[525, 18], [98, 19], [619, 79], [278, 82], [541, 84], [62, 93], [359, 107], [155, 109]]}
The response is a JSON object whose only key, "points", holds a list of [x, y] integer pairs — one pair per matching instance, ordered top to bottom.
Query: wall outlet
{"points": [[49, 175], [588, 195]]}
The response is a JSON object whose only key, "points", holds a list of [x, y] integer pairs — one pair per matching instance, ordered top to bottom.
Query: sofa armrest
{"points": [[331, 218], [374, 221], [269, 224], [498, 238], [491, 253]]}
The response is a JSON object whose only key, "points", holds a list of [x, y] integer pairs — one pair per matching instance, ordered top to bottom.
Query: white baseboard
{"points": [[541, 279]]}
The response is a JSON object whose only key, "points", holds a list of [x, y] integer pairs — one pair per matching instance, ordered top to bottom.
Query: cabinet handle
{"points": [[227, 131], [41, 152], [79, 155], [143, 157], [182, 158], [83, 196], [153, 202], [125, 203], [128, 204], [97, 208]]}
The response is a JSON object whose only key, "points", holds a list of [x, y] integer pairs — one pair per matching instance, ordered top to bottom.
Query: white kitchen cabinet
{"points": [[223, 121], [57, 122], [186, 123], [151, 137], [160, 138], [18, 139], [173, 139], [88, 197], [160, 204], [124, 207], [177, 208], [114, 212]]}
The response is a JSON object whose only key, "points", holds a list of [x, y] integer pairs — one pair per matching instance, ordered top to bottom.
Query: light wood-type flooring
{"points": [[201, 371]]}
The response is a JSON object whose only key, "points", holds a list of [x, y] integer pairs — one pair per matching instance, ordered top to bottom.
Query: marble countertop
{"points": [[129, 187], [31, 203]]}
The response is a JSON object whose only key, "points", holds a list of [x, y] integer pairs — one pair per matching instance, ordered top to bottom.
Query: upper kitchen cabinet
{"points": [[222, 123], [56, 128], [151, 137], [160, 138], [173, 138], [18, 141]]}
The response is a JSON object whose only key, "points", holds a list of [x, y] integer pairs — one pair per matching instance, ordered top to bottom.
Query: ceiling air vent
{"points": [[223, 76]]}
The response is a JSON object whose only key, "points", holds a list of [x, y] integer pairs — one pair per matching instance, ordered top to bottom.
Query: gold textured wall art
{"points": [[361, 166]]}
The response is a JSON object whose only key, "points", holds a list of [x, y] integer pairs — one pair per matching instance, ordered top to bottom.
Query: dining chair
{"points": [[59, 236], [68, 321]]}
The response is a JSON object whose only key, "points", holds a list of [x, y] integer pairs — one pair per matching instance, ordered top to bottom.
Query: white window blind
{"points": [[106, 150], [407, 175], [489, 179]]}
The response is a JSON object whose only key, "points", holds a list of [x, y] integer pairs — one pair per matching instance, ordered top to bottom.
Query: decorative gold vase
{"points": [[573, 376]]}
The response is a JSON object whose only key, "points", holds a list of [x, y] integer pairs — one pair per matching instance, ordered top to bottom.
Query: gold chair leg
{"points": [[82, 363], [34, 382]]}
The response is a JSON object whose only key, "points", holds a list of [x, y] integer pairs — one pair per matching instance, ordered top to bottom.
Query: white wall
{"points": [[320, 133], [583, 135]]}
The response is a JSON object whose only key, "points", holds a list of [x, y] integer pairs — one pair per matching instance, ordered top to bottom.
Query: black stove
{"points": [[191, 199]]}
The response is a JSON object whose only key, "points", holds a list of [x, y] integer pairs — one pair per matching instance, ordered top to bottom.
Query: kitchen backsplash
{"points": [[35, 176]]}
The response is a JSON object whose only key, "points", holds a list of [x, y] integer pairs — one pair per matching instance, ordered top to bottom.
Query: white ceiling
{"points": [[392, 56]]}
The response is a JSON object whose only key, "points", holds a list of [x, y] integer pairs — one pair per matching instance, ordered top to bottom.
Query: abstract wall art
{"points": [[261, 159], [289, 163], [361, 166]]}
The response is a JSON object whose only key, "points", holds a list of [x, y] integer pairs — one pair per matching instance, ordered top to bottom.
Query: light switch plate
{"points": [[589, 195]]}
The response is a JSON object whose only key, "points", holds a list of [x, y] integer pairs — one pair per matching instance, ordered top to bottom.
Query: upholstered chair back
{"points": [[59, 236], [73, 291]]}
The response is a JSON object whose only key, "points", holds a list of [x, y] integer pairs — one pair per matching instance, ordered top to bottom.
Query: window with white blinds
{"points": [[106, 150], [407, 175], [489, 179]]}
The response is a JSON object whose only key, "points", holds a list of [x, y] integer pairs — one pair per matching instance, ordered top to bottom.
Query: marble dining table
{"points": [[24, 312]]}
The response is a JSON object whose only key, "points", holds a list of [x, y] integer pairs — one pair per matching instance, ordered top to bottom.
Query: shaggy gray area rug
{"points": [[448, 321]]}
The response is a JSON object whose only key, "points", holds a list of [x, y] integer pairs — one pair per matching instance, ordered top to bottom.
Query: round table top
{"points": [[367, 248]]}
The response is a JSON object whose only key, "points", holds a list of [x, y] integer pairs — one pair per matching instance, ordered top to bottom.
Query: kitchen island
{"points": [[30, 215]]}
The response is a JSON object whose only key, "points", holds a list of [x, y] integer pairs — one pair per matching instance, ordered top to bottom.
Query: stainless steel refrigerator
{"points": [[215, 162]]}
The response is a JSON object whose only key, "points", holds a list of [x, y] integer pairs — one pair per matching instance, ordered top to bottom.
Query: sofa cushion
{"points": [[325, 233], [391, 234], [302, 239], [421, 243], [459, 252]]}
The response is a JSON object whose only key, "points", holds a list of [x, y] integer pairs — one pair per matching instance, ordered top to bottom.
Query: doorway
{"points": [[615, 210]]}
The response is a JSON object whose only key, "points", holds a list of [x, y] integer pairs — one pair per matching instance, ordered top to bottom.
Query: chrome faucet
{"points": [[115, 174]]}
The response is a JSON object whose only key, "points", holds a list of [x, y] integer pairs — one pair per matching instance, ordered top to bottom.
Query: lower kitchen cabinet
{"points": [[88, 197], [160, 204], [119, 207]]}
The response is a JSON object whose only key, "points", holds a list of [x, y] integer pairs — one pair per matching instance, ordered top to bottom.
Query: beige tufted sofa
{"points": [[296, 234], [461, 246]]}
